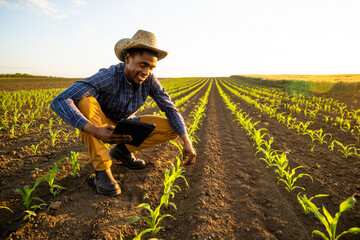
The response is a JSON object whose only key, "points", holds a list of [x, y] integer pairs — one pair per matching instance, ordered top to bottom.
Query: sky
{"points": [[76, 38]]}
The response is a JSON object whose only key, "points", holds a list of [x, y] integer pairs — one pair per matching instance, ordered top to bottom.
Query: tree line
{"points": [[22, 75]]}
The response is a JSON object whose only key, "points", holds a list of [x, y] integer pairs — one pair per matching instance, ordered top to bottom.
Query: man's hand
{"points": [[106, 134], [189, 154]]}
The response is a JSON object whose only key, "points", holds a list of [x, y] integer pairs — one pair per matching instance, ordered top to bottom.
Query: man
{"points": [[97, 103]]}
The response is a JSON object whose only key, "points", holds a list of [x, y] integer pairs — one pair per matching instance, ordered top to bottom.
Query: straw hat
{"points": [[141, 39]]}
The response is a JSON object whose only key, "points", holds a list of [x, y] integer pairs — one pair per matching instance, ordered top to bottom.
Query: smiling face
{"points": [[139, 67]]}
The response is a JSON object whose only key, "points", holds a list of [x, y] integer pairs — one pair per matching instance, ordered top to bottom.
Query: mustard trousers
{"points": [[97, 150]]}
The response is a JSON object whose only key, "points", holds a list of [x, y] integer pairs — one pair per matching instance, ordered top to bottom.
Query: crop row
{"points": [[330, 110], [302, 128], [171, 175], [286, 175]]}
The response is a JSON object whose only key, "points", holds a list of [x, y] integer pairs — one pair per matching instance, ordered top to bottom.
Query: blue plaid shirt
{"points": [[116, 97]]}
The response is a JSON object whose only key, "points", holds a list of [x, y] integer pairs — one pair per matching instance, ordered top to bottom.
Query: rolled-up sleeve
{"points": [[163, 100], [65, 103]]}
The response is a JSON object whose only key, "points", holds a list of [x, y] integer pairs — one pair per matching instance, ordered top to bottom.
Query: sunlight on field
{"points": [[312, 78], [311, 83]]}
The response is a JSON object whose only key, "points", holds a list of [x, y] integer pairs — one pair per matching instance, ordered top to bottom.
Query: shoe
{"points": [[120, 153], [106, 184]]}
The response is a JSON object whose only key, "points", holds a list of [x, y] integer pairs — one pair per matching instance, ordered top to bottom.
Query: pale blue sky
{"points": [[203, 37]]}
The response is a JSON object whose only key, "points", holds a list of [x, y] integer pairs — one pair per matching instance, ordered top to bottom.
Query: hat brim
{"points": [[127, 43]]}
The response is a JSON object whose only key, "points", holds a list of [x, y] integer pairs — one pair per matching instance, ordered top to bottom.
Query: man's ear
{"points": [[127, 58]]}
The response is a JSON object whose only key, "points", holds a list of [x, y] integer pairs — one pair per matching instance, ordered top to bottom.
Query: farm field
{"points": [[248, 136]]}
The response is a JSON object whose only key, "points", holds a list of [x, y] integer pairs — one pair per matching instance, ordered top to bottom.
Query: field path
{"points": [[232, 195]]}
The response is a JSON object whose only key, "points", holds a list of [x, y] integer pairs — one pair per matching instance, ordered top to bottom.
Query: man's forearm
{"points": [[90, 129], [185, 138]]}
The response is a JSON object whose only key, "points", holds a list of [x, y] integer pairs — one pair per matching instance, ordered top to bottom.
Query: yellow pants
{"points": [[99, 154]]}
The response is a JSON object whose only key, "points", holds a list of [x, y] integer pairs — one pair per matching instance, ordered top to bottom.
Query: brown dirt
{"points": [[231, 196]]}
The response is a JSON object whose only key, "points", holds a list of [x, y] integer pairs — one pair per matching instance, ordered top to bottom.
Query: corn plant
{"points": [[312, 113], [326, 118], [51, 122], [344, 124], [303, 126], [25, 127], [12, 131], [77, 132], [66, 135], [318, 135], [53, 136], [258, 137], [34, 148], [347, 151], [269, 154], [75, 164], [281, 164], [36, 171], [171, 175], [51, 176], [290, 179], [26, 195], [305, 208], [154, 219], [329, 222]]}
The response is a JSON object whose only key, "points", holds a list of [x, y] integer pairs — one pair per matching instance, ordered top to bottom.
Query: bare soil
{"points": [[231, 194]]}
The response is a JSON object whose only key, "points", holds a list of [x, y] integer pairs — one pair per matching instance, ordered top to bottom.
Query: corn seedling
{"points": [[326, 118], [51, 122], [344, 124], [303, 126], [25, 127], [12, 131], [77, 132], [66, 135], [317, 135], [53, 136], [258, 137], [179, 146], [34, 148], [347, 151], [269, 154], [75, 164], [281, 164], [37, 170], [171, 175], [51, 176], [290, 180], [26, 194], [306, 210], [153, 222], [329, 222]]}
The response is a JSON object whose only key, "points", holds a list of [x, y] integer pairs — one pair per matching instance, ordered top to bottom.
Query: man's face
{"points": [[139, 67]]}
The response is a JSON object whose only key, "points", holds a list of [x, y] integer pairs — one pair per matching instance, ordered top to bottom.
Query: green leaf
{"points": [[173, 204], [347, 204], [6, 208], [327, 215], [131, 220], [148, 221], [354, 230], [320, 234], [138, 237]]}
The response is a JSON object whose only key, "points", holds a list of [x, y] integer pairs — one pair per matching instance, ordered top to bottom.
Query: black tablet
{"points": [[139, 131]]}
